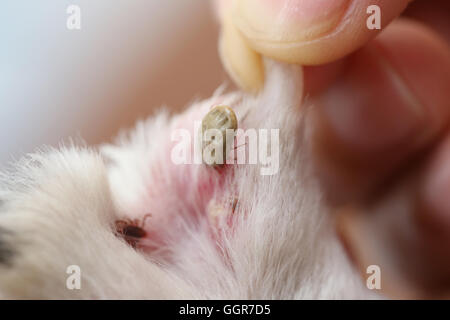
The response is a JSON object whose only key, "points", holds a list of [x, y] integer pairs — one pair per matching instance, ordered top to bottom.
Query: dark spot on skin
{"points": [[134, 232], [6, 251]]}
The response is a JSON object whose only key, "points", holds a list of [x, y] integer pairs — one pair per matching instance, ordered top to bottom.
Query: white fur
{"points": [[59, 209]]}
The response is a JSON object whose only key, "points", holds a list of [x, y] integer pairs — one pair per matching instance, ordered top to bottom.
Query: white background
{"points": [[129, 57]]}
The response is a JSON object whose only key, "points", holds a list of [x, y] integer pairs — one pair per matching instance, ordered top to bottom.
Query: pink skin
{"points": [[180, 193]]}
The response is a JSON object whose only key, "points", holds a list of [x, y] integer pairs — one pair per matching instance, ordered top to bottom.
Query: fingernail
{"points": [[288, 20], [242, 63]]}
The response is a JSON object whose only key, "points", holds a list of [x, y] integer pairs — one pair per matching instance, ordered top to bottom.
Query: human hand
{"points": [[379, 122]]}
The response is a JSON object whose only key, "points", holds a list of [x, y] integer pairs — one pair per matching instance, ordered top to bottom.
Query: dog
{"points": [[135, 225]]}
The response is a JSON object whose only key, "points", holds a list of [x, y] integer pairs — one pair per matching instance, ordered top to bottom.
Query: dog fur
{"points": [[58, 209]]}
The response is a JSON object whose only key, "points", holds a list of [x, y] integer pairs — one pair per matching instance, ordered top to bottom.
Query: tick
{"points": [[223, 119], [132, 230]]}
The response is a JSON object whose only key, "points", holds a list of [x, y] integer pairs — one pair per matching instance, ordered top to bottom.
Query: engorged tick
{"points": [[221, 119], [132, 230]]}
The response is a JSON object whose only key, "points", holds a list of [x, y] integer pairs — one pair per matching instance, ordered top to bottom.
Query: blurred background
{"points": [[129, 58]]}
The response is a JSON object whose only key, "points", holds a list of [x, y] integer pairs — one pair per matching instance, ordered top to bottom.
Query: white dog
{"points": [[136, 225]]}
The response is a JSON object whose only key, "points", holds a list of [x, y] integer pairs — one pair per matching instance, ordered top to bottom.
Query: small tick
{"points": [[224, 119], [132, 230]]}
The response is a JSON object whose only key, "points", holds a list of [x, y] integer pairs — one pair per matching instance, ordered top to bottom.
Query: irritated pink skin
{"points": [[180, 193]]}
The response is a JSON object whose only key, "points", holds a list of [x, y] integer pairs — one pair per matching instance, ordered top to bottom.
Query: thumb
{"points": [[307, 32]]}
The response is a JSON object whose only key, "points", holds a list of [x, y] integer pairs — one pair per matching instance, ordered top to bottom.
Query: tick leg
{"points": [[147, 216], [121, 223]]}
